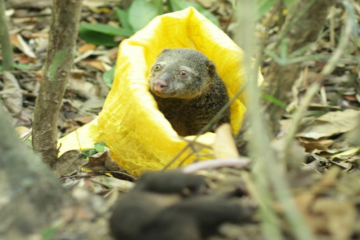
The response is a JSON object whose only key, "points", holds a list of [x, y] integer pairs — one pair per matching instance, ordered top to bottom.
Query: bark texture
{"points": [[302, 26], [6, 48], [55, 75], [31, 196]]}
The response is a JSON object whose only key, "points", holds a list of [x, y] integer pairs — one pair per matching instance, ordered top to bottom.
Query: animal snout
{"points": [[159, 85]]}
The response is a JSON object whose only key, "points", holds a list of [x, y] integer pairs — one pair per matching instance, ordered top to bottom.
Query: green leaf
{"points": [[177, 5], [159, 6], [169, 6], [264, 6], [141, 12], [123, 16], [209, 16], [106, 29], [101, 34], [98, 38], [22, 66], [1, 68], [108, 77], [273, 100], [28, 141], [100, 146], [88, 152], [48, 233]]}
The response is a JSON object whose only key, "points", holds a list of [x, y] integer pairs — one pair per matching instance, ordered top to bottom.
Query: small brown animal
{"points": [[188, 90], [170, 205]]}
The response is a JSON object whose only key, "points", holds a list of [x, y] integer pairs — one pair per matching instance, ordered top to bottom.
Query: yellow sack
{"points": [[130, 124]]}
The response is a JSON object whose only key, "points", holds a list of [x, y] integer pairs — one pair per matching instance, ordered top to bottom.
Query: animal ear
{"points": [[165, 50], [211, 68]]}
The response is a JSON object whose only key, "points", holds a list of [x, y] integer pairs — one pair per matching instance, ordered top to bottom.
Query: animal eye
{"points": [[157, 67], [183, 73]]}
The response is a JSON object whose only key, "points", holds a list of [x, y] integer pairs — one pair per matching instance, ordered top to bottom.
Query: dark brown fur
{"points": [[188, 102], [167, 205]]}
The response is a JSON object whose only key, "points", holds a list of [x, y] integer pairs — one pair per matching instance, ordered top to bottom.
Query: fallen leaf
{"points": [[95, 3], [35, 35], [19, 42], [86, 47], [98, 64], [82, 85], [12, 95], [93, 103], [84, 119], [330, 124], [21, 130], [310, 144], [224, 145], [346, 153], [97, 161], [68, 163], [111, 183], [338, 217]]}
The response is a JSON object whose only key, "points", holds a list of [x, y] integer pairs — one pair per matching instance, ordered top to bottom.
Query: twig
{"points": [[332, 27], [343, 42], [311, 91], [216, 163], [266, 166], [270, 221]]}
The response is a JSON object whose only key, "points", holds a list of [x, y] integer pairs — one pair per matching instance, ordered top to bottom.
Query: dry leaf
{"points": [[95, 3], [19, 42], [86, 47], [98, 64], [82, 85], [11, 94], [84, 119], [330, 124], [21, 130], [321, 144], [224, 145], [68, 163], [110, 183], [338, 217]]}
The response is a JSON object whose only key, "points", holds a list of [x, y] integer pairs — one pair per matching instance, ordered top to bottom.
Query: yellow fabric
{"points": [[130, 124]]}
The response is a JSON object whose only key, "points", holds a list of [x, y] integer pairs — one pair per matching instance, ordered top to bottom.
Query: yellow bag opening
{"points": [[137, 133]]}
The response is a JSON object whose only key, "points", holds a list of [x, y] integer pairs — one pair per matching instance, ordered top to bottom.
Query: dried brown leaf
{"points": [[19, 42], [12, 95], [330, 124], [224, 146], [68, 163], [338, 216]]}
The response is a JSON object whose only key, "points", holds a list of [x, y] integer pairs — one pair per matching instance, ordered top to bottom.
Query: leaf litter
{"points": [[326, 189]]}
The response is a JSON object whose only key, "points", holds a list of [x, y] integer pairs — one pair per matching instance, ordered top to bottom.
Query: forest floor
{"points": [[326, 190]]}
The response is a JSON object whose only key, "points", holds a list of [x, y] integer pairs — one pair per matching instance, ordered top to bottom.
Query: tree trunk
{"points": [[55, 75], [31, 197]]}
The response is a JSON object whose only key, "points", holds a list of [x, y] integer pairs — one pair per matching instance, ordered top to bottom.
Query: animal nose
{"points": [[159, 85]]}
